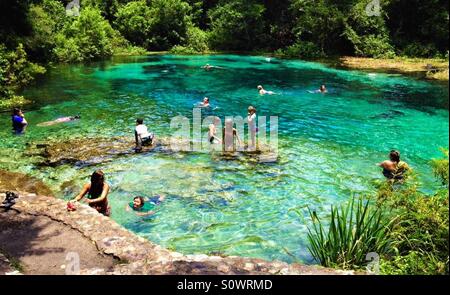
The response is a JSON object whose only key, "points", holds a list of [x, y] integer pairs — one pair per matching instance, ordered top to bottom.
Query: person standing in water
{"points": [[251, 120], [19, 123], [212, 131], [229, 135], [394, 169], [97, 193]]}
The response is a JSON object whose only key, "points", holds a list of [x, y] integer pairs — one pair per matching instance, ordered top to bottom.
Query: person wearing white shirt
{"points": [[251, 119], [142, 136]]}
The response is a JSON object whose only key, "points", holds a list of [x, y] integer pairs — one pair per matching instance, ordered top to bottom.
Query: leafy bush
{"points": [[134, 21], [237, 25], [89, 36], [197, 39], [301, 49], [416, 49], [182, 50], [16, 71], [440, 168], [355, 230]]}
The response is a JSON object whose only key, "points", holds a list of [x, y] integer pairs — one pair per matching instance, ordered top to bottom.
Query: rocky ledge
{"points": [[96, 150], [136, 255]]}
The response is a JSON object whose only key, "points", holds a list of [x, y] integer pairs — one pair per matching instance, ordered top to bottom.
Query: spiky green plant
{"points": [[355, 229]]}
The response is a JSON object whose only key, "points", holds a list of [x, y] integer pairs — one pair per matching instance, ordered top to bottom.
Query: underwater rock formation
{"points": [[91, 151]]}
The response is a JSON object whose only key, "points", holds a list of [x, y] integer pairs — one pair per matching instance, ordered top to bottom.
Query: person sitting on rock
{"points": [[142, 136], [394, 169], [97, 194], [145, 206]]}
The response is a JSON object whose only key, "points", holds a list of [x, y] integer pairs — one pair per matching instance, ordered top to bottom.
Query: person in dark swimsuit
{"points": [[394, 168], [97, 193]]}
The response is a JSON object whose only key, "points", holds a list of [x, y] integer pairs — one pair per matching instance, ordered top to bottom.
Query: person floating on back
{"points": [[209, 67], [262, 91], [60, 120], [19, 124], [142, 136], [394, 169], [97, 194], [144, 206]]}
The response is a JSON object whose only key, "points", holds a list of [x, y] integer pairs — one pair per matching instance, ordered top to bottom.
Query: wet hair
{"points": [[259, 87], [207, 99], [251, 109], [16, 111], [77, 117], [140, 121], [394, 156], [97, 182], [140, 199]]}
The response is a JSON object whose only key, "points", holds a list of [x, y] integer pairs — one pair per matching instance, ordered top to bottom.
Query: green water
{"points": [[328, 144]]}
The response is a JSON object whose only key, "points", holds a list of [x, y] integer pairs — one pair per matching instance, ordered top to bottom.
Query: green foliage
{"points": [[134, 21], [319, 22], [237, 25], [158, 26], [368, 34], [87, 37], [197, 40], [301, 49], [182, 50], [16, 70], [440, 168], [355, 230], [409, 230]]}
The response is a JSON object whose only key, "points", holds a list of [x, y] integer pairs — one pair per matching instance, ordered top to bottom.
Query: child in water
{"points": [[144, 206]]}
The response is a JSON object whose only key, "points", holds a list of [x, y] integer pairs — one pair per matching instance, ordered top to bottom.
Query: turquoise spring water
{"points": [[328, 144]]}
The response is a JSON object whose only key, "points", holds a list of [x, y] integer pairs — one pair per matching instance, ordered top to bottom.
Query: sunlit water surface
{"points": [[328, 144]]}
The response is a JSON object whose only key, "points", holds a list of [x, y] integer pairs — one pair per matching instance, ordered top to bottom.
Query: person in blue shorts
{"points": [[145, 206]]}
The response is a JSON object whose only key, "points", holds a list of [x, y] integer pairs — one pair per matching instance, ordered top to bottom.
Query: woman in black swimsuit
{"points": [[97, 193]]}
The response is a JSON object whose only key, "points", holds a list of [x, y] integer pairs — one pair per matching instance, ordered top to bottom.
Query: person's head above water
{"points": [[259, 87], [323, 88], [205, 100], [251, 110], [17, 112], [77, 117], [139, 121], [394, 156], [98, 177], [138, 202]]}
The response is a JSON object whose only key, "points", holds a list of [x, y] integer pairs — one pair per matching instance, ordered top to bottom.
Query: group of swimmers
{"points": [[96, 191]]}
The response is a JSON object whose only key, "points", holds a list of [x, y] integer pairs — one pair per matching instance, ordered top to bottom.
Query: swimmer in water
{"points": [[208, 67], [322, 89], [262, 91], [204, 103], [60, 120], [394, 169], [144, 206]]}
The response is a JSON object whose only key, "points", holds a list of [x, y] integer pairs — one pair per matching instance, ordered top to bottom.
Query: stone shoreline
{"points": [[138, 256]]}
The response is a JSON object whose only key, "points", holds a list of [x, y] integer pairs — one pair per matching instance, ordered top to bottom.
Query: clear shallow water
{"points": [[328, 144]]}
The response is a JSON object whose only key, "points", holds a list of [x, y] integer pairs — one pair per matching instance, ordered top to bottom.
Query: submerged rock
{"points": [[91, 151], [13, 181]]}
